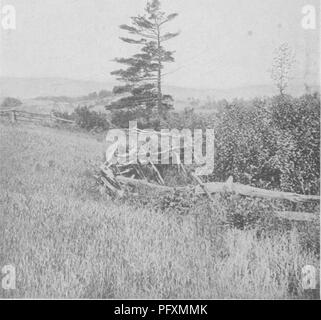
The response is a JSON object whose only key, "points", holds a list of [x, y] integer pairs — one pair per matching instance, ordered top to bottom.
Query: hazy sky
{"points": [[223, 43]]}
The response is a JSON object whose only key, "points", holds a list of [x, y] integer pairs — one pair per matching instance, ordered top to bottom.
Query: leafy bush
{"points": [[11, 103], [63, 115], [145, 118], [187, 118], [86, 119], [90, 120], [245, 142], [270, 143], [298, 147]]}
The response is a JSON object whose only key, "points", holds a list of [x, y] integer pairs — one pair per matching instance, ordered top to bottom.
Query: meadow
{"points": [[68, 240]]}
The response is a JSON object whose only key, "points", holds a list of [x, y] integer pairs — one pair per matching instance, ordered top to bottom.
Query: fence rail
{"points": [[20, 115], [225, 188]]}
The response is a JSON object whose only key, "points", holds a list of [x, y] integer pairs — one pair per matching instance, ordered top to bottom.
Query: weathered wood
{"points": [[13, 116], [31, 117], [64, 120], [139, 170], [159, 176], [110, 182], [144, 183], [110, 187], [223, 187], [204, 188], [237, 188], [297, 216]]}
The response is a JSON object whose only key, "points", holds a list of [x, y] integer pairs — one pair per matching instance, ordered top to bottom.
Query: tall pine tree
{"points": [[142, 79]]}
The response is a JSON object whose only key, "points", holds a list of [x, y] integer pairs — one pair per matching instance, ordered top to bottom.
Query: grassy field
{"points": [[67, 240]]}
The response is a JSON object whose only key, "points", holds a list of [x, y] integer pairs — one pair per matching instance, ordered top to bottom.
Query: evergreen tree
{"points": [[142, 78]]}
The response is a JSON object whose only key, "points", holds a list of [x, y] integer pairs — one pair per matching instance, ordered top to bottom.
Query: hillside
{"points": [[26, 88], [67, 240]]}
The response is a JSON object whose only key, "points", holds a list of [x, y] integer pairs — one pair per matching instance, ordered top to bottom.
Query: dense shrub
{"points": [[63, 115], [187, 118], [86, 119], [146, 119], [90, 120], [245, 141], [270, 143], [298, 148]]}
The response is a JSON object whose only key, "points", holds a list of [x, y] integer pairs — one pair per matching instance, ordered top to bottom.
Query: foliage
{"points": [[143, 76], [104, 94], [11, 103], [214, 106], [63, 115], [144, 116], [187, 118], [86, 119], [89, 120], [245, 141], [270, 143], [298, 145]]}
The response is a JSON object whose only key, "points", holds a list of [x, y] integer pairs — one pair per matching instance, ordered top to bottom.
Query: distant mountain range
{"points": [[26, 88]]}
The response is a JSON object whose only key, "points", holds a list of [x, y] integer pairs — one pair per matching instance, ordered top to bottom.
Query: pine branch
{"points": [[169, 18], [143, 23], [128, 28], [168, 36], [133, 41]]}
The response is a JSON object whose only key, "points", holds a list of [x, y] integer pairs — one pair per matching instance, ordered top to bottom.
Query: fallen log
{"points": [[144, 183], [223, 187], [227, 187], [237, 188]]}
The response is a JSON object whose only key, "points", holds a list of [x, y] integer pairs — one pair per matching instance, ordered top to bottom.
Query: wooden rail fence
{"points": [[20, 115], [114, 184], [238, 189]]}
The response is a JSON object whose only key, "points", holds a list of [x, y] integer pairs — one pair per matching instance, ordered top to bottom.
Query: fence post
{"points": [[13, 116]]}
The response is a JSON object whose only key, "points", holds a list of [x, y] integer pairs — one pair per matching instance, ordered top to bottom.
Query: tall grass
{"points": [[68, 241]]}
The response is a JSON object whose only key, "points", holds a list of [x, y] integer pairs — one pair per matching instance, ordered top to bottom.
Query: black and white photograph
{"points": [[160, 150]]}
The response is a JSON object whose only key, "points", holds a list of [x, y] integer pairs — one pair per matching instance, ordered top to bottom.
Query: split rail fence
{"points": [[24, 116], [116, 178]]}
